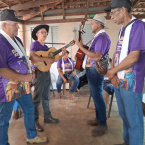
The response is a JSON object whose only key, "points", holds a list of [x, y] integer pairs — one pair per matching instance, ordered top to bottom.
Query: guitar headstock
{"points": [[82, 25], [72, 43]]}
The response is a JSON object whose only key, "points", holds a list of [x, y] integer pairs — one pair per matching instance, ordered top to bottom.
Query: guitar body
{"points": [[80, 58], [44, 66]]}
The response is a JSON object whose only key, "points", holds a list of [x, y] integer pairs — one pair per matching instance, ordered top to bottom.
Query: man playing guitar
{"points": [[99, 47], [42, 80]]}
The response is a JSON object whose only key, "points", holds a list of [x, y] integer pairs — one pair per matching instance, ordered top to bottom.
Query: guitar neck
{"points": [[58, 51]]}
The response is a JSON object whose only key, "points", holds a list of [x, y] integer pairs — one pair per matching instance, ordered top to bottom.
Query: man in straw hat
{"points": [[99, 47], [15, 71], [127, 74], [42, 80]]}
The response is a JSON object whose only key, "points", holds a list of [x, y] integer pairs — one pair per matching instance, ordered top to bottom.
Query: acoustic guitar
{"points": [[51, 53], [80, 54]]}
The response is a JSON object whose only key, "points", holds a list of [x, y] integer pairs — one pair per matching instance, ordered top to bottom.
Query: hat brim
{"points": [[108, 9], [16, 20], [100, 23], [37, 28]]}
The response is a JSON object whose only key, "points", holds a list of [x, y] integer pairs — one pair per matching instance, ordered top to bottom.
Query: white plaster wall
{"points": [[112, 31], [66, 34]]}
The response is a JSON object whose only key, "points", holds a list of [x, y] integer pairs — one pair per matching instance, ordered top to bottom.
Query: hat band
{"points": [[100, 22]]}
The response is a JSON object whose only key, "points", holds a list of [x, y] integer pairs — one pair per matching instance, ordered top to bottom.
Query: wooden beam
{"points": [[20, 1], [4, 2], [84, 2], [135, 3], [32, 4], [87, 6], [44, 8], [24, 12], [63, 12], [75, 14], [140, 16], [108, 17], [42, 18], [54, 21], [22, 34]]}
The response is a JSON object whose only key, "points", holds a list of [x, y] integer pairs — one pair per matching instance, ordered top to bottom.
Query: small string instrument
{"points": [[51, 53], [80, 54]]}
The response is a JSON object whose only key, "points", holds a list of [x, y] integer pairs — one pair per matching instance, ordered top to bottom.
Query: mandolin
{"points": [[80, 54], [44, 66]]}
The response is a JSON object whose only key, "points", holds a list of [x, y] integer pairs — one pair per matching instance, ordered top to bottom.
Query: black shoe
{"points": [[51, 120], [38, 126]]}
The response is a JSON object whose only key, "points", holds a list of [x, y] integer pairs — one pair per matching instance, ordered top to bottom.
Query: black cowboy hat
{"points": [[119, 4], [9, 15], [37, 28]]}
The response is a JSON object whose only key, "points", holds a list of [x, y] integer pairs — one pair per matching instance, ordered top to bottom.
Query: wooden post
{"points": [[22, 34]]}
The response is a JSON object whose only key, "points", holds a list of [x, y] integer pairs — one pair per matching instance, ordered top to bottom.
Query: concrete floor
{"points": [[72, 128]]}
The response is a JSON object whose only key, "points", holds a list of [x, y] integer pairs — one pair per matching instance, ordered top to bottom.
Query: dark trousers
{"points": [[82, 81], [41, 92]]}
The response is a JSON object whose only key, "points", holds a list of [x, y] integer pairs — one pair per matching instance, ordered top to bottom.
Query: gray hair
{"points": [[1, 22]]}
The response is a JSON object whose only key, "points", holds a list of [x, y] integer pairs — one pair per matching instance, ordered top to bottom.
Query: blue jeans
{"points": [[74, 79], [96, 89], [41, 92], [15, 106], [130, 110], [5, 115]]}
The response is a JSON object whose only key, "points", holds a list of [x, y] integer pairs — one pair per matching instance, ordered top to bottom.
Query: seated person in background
{"points": [[66, 67], [82, 81], [108, 89]]}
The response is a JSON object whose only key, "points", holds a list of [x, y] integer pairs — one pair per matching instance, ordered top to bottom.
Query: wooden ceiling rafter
{"points": [[20, 1], [6, 3], [135, 3], [32, 4], [87, 7], [44, 8], [27, 9], [63, 10], [41, 12], [54, 21]]}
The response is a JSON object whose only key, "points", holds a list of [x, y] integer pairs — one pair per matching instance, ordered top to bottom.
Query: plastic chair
{"points": [[110, 105]]}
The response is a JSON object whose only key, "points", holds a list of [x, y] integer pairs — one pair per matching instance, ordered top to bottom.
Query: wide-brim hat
{"points": [[119, 4], [9, 15], [100, 19], [37, 28]]}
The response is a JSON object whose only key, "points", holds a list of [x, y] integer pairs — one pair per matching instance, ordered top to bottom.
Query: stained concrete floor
{"points": [[72, 128]]}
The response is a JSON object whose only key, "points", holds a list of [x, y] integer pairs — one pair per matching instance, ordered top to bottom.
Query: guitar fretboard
{"points": [[58, 51]]}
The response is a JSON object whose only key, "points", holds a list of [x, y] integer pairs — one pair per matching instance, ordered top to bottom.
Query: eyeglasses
{"points": [[112, 13], [42, 32]]}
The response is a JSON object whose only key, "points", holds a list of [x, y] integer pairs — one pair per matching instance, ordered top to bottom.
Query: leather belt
{"points": [[90, 67], [129, 70]]}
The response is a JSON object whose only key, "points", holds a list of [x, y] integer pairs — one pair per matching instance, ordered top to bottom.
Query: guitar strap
{"points": [[18, 47], [85, 59]]}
